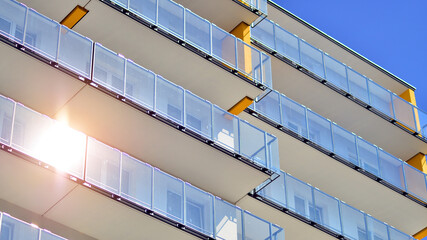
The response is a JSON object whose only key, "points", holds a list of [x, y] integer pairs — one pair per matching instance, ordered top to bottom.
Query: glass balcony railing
{"points": [[260, 5], [204, 36], [289, 46], [123, 77], [342, 143], [120, 174], [327, 211], [12, 228]]}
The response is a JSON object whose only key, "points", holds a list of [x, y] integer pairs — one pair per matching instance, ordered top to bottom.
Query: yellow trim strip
{"points": [[74, 16], [241, 105], [421, 234]]}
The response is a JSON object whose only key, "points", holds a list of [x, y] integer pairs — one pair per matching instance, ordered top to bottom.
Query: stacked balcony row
{"points": [[204, 36], [288, 45], [79, 54], [297, 118], [118, 173], [327, 211], [13, 228]]}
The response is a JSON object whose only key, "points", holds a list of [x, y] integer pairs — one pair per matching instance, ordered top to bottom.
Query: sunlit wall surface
{"points": [[288, 45], [126, 78], [308, 124], [119, 173], [331, 213], [14, 229]]}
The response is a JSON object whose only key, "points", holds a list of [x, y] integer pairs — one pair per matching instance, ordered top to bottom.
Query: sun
{"points": [[63, 148]]}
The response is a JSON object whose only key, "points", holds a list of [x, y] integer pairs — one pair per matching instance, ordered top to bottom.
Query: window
{"points": [[174, 112], [194, 122], [174, 204], [195, 214], [7, 230]]}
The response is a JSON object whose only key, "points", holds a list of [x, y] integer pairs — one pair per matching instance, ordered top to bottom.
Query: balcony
{"points": [[226, 14], [190, 46], [338, 50], [346, 82], [141, 105], [62, 169], [359, 172], [312, 208], [13, 228]]}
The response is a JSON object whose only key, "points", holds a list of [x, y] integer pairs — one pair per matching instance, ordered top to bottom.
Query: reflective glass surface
{"points": [[278, 40], [297, 118], [321, 208]]}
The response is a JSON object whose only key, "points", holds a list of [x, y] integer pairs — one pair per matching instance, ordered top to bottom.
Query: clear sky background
{"points": [[391, 33]]}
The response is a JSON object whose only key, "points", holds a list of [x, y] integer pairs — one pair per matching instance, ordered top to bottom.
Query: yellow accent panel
{"points": [[74, 16], [243, 31], [409, 95], [241, 105], [419, 162], [421, 234]]}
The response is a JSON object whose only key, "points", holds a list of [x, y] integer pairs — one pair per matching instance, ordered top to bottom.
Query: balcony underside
{"points": [[226, 14], [148, 48], [335, 50], [58, 95], [332, 105], [310, 165], [61, 200], [299, 230]]}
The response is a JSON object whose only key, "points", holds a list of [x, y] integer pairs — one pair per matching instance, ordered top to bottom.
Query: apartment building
{"points": [[160, 119]]}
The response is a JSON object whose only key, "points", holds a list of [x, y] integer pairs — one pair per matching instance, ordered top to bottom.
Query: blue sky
{"points": [[391, 33]]}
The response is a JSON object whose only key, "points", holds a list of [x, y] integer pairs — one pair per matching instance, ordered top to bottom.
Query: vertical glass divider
{"points": [[157, 12], [25, 25], [184, 35], [210, 40], [59, 43], [299, 51], [236, 53], [92, 62], [323, 63], [261, 71], [125, 76], [346, 80], [368, 91], [155, 93], [392, 105], [184, 108], [415, 120], [13, 123], [306, 123], [332, 136], [239, 139], [357, 150], [267, 155], [85, 159], [120, 173], [404, 176], [152, 188], [184, 202], [314, 206], [242, 214], [340, 218], [1, 220], [366, 225], [40, 234]]}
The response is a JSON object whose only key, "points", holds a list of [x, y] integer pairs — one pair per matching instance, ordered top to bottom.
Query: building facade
{"points": [[160, 119]]}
